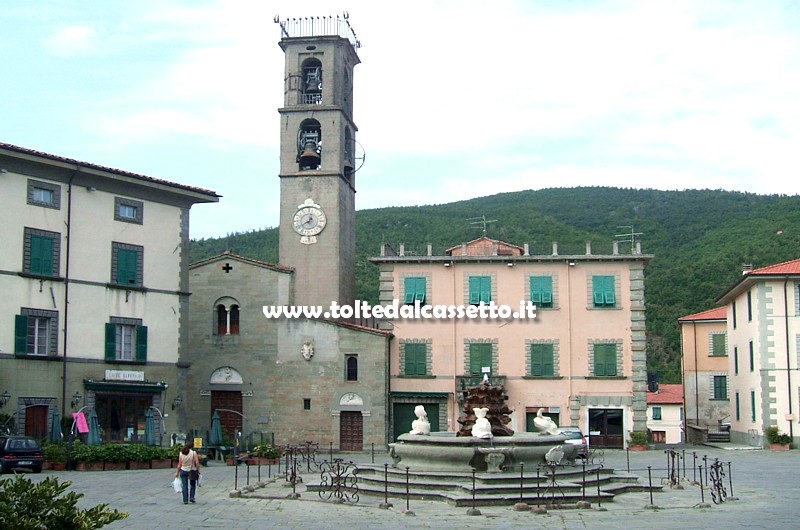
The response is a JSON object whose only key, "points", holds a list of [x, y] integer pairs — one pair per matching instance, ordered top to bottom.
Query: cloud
{"points": [[72, 41]]}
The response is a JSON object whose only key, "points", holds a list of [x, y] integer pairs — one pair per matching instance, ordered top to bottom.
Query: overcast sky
{"points": [[453, 99]]}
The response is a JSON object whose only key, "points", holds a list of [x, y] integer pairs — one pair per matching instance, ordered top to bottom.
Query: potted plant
{"points": [[637, 441], [778, 441], [264, 454], [55, 456], [115, 456], [139, 456], [86, 457], [161, 458]]}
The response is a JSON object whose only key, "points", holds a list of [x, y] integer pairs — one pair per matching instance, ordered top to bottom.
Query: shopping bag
{"points": [[176, 485]]}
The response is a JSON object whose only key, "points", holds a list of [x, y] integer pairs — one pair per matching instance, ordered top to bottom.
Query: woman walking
{"points": [[188, 470]]}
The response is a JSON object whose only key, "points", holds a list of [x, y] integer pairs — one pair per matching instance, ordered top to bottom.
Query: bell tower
{"points": [[318, 159]]}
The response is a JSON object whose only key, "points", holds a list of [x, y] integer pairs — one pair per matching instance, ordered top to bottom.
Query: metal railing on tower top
{"points": [[319, 27]]}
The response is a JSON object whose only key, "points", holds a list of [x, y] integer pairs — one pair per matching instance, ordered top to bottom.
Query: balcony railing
{"points": [[319, 27]]}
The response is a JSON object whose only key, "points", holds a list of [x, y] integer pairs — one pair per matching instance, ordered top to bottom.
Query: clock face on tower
{"points": [[309, 220]]}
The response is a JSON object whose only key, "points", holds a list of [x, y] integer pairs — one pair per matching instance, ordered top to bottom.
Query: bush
{"points": [[775, 436], [638, 438], [266, 451], [55, 452], [85, 453], [114, 453], [139, 453], [161, 453], [28, 506]]}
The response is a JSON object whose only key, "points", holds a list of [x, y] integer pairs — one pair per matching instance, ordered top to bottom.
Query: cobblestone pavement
{"points": [[765, 484]]}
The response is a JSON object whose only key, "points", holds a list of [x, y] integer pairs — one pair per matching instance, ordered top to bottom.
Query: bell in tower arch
{"points": [[309, 149]]}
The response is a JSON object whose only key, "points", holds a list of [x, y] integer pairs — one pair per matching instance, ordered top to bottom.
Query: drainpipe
{"points": [[66, 292], [788, 356], [696, 378]]}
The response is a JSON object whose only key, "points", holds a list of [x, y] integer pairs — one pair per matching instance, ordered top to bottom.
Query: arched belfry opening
{"points": [[311, 89], [309, 145]]}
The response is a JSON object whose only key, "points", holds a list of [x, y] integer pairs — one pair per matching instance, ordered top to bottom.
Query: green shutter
{"points": [[41, 255], [127, 266], [410, 285], [415, 289], [480, 289], [474, 290], [542, 290], [603, 291], [21, 334], [111, 342], [141, 343], [718, 344], [480, 355], [416, 359], [536, 359], [542, 360], [605, 360]]}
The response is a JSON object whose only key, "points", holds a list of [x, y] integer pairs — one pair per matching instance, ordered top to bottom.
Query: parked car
{"points": [[576, 437], [20, 452]]}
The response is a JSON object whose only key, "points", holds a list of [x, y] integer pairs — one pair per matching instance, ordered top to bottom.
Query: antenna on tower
{"points": [[480, 222], [628, 237]]}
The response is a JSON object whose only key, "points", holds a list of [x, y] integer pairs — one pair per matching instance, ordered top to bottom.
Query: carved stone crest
{"points": [[307, 350]]}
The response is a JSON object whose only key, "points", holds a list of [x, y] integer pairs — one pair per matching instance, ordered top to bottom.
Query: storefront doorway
{"points": [[122, 416], [605, 428]]}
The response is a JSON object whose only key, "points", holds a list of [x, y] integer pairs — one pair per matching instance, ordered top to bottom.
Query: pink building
{"points": [[580, 356]]}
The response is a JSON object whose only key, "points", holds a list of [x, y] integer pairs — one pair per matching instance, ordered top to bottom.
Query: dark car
{"points": [[576, 437], [20, 452]]}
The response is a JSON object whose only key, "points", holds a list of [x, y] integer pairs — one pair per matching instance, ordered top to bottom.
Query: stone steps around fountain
{"points": [[493, 488]]}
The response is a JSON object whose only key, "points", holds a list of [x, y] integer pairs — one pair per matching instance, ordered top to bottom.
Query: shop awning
{"points": [[139, 387]]}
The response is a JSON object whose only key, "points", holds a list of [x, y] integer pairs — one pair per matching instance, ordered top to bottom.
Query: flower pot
{"points": [[638, 447], [778, 447], [261, 461], [137, 464], [160, 464], [55, 466], [89, 466], [114, 466]]}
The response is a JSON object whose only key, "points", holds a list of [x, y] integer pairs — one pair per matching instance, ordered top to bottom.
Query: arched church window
{"points": [[309, 145], [227, 316], [351, 365]]}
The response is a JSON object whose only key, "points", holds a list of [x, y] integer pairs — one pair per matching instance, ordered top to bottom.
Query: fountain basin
{"points": [[444, 451]]}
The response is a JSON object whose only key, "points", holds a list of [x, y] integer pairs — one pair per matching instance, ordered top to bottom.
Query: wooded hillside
{"points": [[700, 239]]}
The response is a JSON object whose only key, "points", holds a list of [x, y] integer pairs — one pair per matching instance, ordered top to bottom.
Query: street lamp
{"points": [[4, 398], [76, 398], [177, 402]]}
